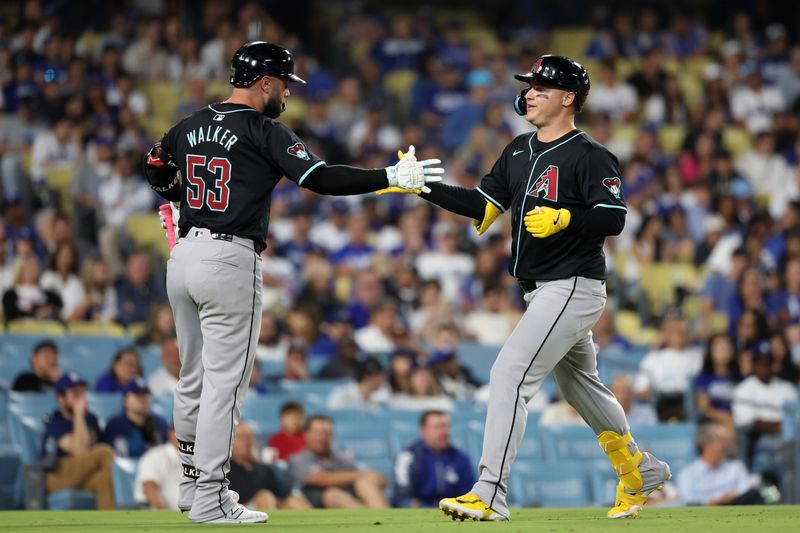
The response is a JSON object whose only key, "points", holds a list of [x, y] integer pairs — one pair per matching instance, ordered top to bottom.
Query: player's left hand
{"points": [[412, 175], [176, 213], [543, 222]]}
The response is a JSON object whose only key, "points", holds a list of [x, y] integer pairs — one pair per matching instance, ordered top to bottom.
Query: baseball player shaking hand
{"points": [[230, 156], [565, 196]]}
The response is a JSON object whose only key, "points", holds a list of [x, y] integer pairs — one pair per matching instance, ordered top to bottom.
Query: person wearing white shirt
{"points": [[612, 97], [753, 103], [56, 147], [769, 174], [446, 264], [62, 280], [494, 322], [377, 336], [665, 374], [164, 380], [368, 392], [758, 400], [158, 476], [713, 478]]}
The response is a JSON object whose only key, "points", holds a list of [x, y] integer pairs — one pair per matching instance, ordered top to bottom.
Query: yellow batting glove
{"points": [[545, 221]]}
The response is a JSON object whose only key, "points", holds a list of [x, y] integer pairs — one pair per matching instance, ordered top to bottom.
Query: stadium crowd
{"points": [[704, 281]]}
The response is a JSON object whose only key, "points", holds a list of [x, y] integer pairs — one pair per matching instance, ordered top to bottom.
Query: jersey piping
{"points": [[231, 111], [527, 186]]}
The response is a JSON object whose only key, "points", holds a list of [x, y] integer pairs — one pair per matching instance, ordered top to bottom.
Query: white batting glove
{"points": [[411, 174], [176, 213]]}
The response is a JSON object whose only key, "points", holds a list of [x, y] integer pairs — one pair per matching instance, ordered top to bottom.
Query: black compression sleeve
{"points": [[341, 180], [467, 202], [597, 222]]}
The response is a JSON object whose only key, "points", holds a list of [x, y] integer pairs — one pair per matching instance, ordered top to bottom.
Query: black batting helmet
{"points": [[260, 58], [562, 72]]}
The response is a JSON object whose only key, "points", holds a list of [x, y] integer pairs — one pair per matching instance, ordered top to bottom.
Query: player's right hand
{"points": [[413, 175], [176, 213]]}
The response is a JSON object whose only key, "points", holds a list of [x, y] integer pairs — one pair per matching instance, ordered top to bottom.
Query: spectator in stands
{"points": [[402, 49], [145, 58], [650, 78], [788, 81], [611, 97], [752, 102], [667, 105], [459, 125], [17, 131], [374, 132], [58, 146], [766, 171], [299, 246], [357, 253], [446, 263], [62, 279], [138, 291], [719, 291], [318, 292], [367, 293], [100, 296], [27, 298], [494, 320], [160, 326], [750, 329], [605, 334], [378, 336], [272, 343], [403, 362], [344, 364], [782, 365], [125, 366], [295, 367], [44, 369], [665, 374], [164, 380], [456, 381], [256, 384], [713, 387], [369, 391], [424, 394], [758, 403], [559, 413], [638, 414], [136, 430], [291, 438], [71, 443], [432, 467], [158, 475], [714, 478], [332, 480], [255, 482]]}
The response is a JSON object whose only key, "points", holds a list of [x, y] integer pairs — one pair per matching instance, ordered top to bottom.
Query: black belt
{"points": [[257, 245], [528, 285]]}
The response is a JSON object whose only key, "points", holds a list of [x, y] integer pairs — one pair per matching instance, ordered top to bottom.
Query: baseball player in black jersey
{"points": [[230, 156], [565, 196]]}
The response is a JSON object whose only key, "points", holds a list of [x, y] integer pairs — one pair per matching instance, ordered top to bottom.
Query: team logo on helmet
{"points": [[538, 66], [299, 151], [614, 185]]}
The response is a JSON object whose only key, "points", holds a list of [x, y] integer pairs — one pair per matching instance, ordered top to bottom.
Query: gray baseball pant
{"points": [[214, 287], [553, 335]]}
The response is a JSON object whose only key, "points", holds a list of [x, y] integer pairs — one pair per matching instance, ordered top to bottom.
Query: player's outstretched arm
{"points": [[407, 175]]}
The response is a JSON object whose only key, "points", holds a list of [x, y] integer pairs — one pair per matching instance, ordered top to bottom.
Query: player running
{"points": [[230, 156], [565, 196]]}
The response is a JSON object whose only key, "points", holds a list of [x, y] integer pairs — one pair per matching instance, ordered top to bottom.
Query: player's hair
{"points": [[292, 407], [314, 418], [423, 419]]}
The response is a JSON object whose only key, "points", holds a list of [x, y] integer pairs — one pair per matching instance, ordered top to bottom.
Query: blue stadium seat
{"points": [[19, 345], [91, 347], [150, 357], [478, 358], [613, 363], [11, 366], [89, 367], [313, 392], [33, 404], [105, 405], [162, 406], [264, 408], [262, 431], [26, 435], [5, 436], [401, 436], [363, 441], [668, 441], [571, 443], [531, 449], [384, 465], [124, 475], [10, 478], [564, 484], [604, 485], [67, 500]]}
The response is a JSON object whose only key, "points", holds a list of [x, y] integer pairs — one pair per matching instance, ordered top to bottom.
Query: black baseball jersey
{"points": [[230, 158], [574, 172]]}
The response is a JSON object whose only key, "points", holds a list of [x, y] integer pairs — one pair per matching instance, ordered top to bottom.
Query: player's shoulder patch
{"points": [[298, 150], [614, 186]]}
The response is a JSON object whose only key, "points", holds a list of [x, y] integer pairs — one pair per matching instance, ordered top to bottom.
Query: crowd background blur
{"points": [[699, 100]]}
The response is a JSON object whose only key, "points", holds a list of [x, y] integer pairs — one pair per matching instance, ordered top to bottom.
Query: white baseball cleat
{"points": [[240, 515]]}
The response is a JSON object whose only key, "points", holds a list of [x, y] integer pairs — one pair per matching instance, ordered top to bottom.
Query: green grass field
{"points": [[680, 520]]}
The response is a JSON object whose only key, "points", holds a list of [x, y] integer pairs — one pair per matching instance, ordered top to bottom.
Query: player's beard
{"points": [[274, 106]]}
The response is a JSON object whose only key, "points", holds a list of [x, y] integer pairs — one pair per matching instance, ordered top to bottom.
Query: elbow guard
{"points": [[162, 173], [490, 214]]}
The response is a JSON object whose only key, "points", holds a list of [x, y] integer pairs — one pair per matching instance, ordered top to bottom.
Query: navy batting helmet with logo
{"points": [[260, 58], [559, 71]]}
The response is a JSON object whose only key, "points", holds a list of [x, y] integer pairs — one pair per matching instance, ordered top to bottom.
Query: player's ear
{"points": [[568, 99]]}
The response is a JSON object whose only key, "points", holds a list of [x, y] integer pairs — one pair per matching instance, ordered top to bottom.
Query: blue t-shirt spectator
{"points": [[134, 302], [108, 383], [718, 388], [56, 426], [130, 440], [423, 476]]}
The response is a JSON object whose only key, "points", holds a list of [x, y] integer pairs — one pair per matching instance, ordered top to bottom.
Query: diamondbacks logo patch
{"points": [[299, 151], [546, 185], [614, 185]]}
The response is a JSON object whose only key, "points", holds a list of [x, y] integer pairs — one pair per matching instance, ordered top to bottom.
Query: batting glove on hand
{"points": [[412, 175], [176, 213], [542, 222]]}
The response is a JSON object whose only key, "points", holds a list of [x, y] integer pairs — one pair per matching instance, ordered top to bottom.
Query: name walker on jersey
{"points": [[219, 135]]}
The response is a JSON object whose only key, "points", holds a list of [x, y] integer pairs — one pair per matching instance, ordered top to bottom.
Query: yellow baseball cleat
{"points": [[628, 505], [469, 506]]}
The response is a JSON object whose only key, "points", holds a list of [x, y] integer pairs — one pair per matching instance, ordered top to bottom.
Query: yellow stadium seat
{"points": [[571, 41], [696, 66], [398, 84], [692, 89], [164, 97], [156, 127], [626, 132], [671, 137], [736, 140], [59, 178], [146, 231], [660, 280], [718, 322], [627, 323], [29, 326], [98, 329], [136, 329], [644, 336]]}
